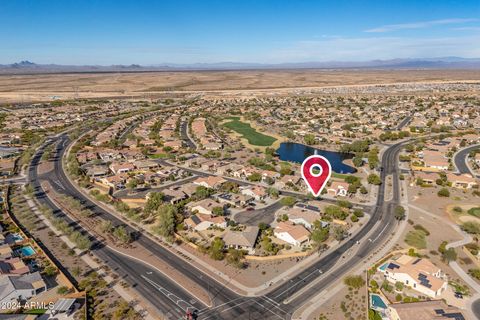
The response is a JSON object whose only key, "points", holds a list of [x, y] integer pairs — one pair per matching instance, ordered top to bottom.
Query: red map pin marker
{"points": [[316, 181]]}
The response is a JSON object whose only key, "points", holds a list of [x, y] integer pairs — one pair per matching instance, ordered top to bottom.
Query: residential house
{"points": [[435, 160], [122, 167], [287, 181], [462, 181], [212, 182], [337, 189], [257, 192], [174, 196], [234, 200], [204, 206], [200, 222], [294, 234], [242, 240], [13, 266], [417, 273], [23, 287], [425, 310]]}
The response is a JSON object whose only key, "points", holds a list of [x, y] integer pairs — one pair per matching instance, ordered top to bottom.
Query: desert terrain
{"points": [[146, 85]]}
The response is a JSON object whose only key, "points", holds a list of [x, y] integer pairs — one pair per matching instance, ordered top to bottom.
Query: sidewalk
{"points": [[453, 264], [122, 292], [313, 305]]}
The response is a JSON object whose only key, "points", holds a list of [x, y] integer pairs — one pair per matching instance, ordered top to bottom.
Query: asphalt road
{"points": [[404, 122], [184, 135], [460, 159], [254, 217], [150, 284], [228, 304], [476, 308]]}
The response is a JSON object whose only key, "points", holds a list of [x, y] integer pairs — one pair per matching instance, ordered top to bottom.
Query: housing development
{"points": [[240, 160], [195, 207]]}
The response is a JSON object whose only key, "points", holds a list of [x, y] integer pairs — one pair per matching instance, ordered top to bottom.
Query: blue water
{"points": [[296, 152], [17, 237], [27, 251], [383, 266], [377, 302]]}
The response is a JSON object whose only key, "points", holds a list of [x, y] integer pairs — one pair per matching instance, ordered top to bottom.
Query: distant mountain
{"points": [[26, 67]]}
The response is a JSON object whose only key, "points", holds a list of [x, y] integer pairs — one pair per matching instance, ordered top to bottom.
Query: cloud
{"points": [[417, 25], [467, 29], [372, 48]]}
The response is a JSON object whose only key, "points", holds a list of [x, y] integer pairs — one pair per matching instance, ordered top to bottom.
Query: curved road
{"points": [[460, 159], [227, 303]]}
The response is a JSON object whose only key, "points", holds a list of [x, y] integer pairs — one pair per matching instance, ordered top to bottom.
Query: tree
{"points": [[309, 139], [357, 161], [255, 177], [374, 179], [132, 183], [202, 192], [273, 193], [443, 193], [154, 200], [288, 201], [344, 204], [217, 211], [336, 212], [399, 213], [166, 220], [106, 226], [471, 227], [339, 233], [122, 235], [319, 235], [216, 249], [449, 255], [235, 258], [474, 273], [355, 282]]}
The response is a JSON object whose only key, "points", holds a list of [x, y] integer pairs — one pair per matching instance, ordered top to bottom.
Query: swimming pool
{"points": [[17, 237], [26, 251], [383, 266], [377, 302]]}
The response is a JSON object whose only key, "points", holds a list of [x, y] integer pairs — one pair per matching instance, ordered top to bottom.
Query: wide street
{"points": [[460, 159], [279, 303]]}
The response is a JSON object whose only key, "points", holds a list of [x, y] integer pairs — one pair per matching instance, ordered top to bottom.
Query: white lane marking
{"points": [[175, 299]]}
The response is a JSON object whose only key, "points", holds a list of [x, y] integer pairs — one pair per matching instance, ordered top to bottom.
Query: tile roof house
{"points": [[122, 167], [462, 181], [212, 182], [338, 188], [257, 192], [204, 206], [200, 222], [294, 234], [243, 240], [13, 266], [417, 273], [22, 287], [425, 310]]}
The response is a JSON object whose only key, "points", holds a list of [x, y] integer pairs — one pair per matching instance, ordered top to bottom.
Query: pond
{"points": [[297, 152]]}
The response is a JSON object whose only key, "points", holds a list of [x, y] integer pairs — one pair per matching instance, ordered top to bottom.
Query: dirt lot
{"points": [[41, 87]]}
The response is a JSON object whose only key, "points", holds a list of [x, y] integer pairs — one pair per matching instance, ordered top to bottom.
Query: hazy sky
{"points": [[154, 32]]}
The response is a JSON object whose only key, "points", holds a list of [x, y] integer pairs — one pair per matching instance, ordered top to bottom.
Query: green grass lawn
{"points": [[254, 138]]}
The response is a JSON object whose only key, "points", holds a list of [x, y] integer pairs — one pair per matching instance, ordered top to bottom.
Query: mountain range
{"points": [[27, 67]]}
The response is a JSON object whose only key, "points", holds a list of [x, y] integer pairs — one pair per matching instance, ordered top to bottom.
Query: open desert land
{"points": [[144, 85]]}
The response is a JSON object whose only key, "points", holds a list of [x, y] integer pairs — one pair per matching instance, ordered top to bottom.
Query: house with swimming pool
{"points": [[420, 274]]}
